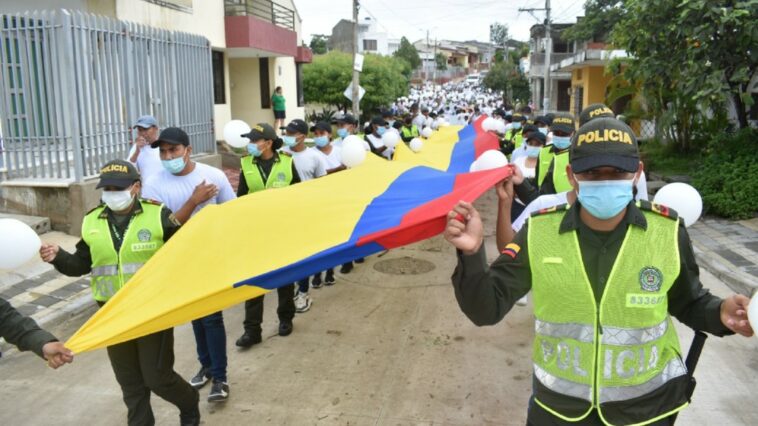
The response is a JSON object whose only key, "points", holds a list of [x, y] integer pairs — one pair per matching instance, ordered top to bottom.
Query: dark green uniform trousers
{"points": [[147, 364]]}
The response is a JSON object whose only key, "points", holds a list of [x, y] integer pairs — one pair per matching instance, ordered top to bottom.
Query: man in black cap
{"points": [[595, 111], [347, 125], [378, 127], [264, 169], [186, 187], [118, 237], [606, 274]]}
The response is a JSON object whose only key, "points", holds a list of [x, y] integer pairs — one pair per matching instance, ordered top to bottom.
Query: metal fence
{"points": [[263, 9], [72, 84]]}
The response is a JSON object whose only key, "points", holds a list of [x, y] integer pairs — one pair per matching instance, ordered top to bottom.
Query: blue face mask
{"points": [[516, 125], [380, 130], [542, 130], [342, 132], [290, 141], [321, 141], [562, 142], [253, 150], [533, 151], [175, 165], [605, 199]]}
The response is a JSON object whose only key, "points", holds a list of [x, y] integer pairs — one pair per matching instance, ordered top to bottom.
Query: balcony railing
{"points": [[263, 9]]}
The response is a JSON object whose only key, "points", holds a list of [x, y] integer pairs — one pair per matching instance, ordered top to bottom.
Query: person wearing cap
{"points": [[593, 111], [388, 116], [542, 122], [346, 126], [378, 127], [526, 131], [514, 137], [322, 140], [142, 154], [310, 165], [265, 169], [551, 175], [186, 187], [118, 237], [607, 274]]}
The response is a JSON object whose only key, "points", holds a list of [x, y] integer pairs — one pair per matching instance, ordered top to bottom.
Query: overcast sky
{"points": [[445, 19]]}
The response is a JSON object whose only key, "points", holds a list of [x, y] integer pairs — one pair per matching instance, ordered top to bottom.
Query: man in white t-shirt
{"points": [[347, 126], [377, 126], [142, 154], [332, 155], [310, 165], [185, 187]]}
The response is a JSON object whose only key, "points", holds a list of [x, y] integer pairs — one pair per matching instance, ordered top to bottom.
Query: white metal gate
{"points": [[72, 84]]}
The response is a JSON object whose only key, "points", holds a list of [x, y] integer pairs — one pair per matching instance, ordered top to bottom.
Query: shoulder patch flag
{"points": [[511, 250]]}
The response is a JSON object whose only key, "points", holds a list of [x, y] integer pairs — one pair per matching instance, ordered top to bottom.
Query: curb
{"points": [[732, 277]]}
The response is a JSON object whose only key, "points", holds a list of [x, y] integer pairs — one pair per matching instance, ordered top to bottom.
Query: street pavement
{"points": [[387, 345]]}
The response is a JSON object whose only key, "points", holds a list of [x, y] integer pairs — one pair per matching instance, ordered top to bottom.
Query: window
{"points": [[369, 45], [560, 46], [264, 82], [299, 82], [219, 88]]}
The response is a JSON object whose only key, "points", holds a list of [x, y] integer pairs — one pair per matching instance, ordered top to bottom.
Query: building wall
{"points": [[206, 19], [284, 74], [593, 81], [222, 113]]}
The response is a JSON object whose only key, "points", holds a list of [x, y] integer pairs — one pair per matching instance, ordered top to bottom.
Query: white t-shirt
{"points": [[419, 121], [378, 143], [334, 159], [148, 161], [520, 162], [309, 163], [174, 191]]}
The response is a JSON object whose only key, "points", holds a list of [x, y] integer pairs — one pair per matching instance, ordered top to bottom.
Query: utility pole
{"points": [[548, 48], [434, 70], [356, 77]]}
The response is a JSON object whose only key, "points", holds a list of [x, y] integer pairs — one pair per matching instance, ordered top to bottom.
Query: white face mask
{"points": [[118, 200]]}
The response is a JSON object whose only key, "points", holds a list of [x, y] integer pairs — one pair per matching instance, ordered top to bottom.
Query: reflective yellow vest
{"points": [[410, 133], [516, 136], [280, 175], [560, 176], [142, 238], [604, 355]]}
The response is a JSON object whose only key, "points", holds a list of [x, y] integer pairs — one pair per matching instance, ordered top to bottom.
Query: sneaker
{"points": [[346, 268], [329, 279], [316, 282], [523, 301], [302, 302], [285, 328], [248, 339], [201, 378], [219, 392]]}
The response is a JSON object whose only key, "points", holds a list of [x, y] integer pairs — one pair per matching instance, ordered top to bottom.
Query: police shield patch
{"points": [[144, 235], [651, 278]]}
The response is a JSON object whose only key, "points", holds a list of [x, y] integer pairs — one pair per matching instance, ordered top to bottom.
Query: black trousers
{"points": [[254, 309], [146, 365]]}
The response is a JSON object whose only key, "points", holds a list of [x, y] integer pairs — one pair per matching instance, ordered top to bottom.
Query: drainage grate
{"points": [[404, 266]]}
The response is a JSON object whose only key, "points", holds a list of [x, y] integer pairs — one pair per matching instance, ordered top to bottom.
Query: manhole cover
{"points": [[404, 266]]}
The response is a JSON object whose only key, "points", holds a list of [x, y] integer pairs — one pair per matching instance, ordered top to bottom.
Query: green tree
{"points": [[600, 17], [498, 34], [319, 43], [408, 53], [690, 58], [441, 61], [506, 76], [327, 77]]}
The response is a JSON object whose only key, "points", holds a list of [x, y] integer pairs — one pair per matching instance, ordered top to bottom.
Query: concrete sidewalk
{"points": [[728, 250]]}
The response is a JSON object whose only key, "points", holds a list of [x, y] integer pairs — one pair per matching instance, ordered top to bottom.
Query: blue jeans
{"points": [[210, 338]]}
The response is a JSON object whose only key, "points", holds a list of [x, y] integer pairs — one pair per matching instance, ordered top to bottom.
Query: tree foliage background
{"points": [[318, 43], [409, 54], [327, 77]]}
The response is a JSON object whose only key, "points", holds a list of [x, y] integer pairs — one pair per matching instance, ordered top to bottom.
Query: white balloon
{"points": [[444, 123], [488, 124], [233, 131], [426, 132], [390, 139], [416, 144], [353, 151], [491, 159], [474, 167], [683, 198], [18, 243], [752, 313]]}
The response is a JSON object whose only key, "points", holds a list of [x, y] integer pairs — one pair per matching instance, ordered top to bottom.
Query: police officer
{"points": [[409, 130], [264, 169], [118, 237], [606, 275], [24, 332]]}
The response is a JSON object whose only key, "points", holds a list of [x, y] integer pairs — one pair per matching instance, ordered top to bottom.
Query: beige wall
{"points": [[206, 19], [244, 78]]}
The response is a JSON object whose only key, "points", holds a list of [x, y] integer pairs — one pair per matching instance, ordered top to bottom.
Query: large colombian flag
{"points": [[240, 250]]}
